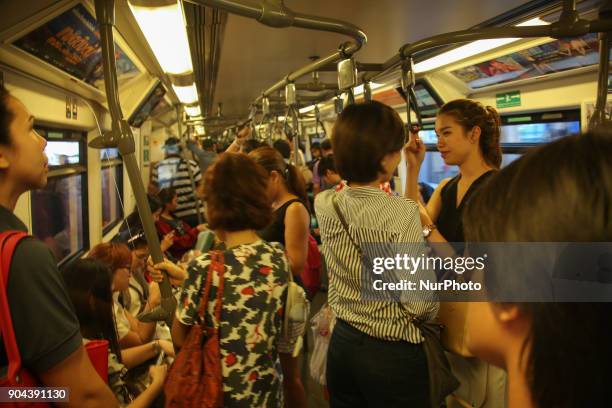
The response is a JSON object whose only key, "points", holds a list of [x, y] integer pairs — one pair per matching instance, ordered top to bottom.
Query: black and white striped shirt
{"points": [[173, 172], [373, 217]]}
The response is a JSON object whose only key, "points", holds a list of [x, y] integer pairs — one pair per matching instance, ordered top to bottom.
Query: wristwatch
{"points": [[427, 230]]}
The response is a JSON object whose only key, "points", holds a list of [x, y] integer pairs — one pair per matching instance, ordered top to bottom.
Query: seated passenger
{"points": [[184, 236], [89, 284], [254, 289], [135, 298], [44, 323], [131, 332], [556, 354], [376, 357]]}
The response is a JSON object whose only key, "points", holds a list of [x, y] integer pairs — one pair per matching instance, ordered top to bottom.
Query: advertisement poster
{"points": [[71, 42], [555, 56], [147, 106]]}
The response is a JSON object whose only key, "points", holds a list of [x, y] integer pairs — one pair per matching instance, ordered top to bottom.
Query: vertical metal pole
{"points": [[599, 114], [296, 133], [122, 135], [196, 199]]}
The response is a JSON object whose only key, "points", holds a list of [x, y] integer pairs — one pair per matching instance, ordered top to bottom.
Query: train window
{"points": [[71, 43], [555, 56], [539, 127], [538, 132], [61, 153], [434, 170], [112, 189], [59, 210]]}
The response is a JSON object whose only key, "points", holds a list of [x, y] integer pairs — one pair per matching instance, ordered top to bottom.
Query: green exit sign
{"points": [[508, 99]]}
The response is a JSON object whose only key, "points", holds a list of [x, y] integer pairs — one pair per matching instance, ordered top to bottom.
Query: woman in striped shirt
{"points": [[375, 356]]}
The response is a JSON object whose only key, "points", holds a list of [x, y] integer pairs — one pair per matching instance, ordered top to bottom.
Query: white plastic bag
{"points": [[322, 325]]}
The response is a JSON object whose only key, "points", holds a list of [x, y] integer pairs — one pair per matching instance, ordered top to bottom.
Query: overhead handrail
{"points": [[274, 13], [567, 26], [408, 83], [121, 136]]}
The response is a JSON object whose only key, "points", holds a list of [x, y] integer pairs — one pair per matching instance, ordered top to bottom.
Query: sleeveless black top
{"points": [[449, 221], [275, 232]]}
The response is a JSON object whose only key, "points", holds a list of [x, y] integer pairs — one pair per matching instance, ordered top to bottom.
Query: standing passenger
{"points": [[468, 137], [205, 155], [173, 172], [290, 227], [254, 285], [44, 322], [556, 354], [376, 357]]}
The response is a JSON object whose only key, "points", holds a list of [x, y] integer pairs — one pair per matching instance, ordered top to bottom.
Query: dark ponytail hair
{"points": [[471, 113], [6, 116], [271, 160], [90, 279]]}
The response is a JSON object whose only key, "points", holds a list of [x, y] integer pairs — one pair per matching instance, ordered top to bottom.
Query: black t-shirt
{"points": [[44, 321]]}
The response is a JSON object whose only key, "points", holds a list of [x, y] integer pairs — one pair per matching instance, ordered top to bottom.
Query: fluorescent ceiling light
{"points": [[165, 31], [471, 49], [358, 90], [186, 94], [307, 109], [193, 110]]}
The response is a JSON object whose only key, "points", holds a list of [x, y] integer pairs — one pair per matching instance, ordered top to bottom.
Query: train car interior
{"points": [[114, 85]]}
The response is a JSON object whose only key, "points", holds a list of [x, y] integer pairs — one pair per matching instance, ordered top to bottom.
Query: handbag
{"points": [[297, 309], [322, 325], [17, 376], [195, 379], [442, 381]]}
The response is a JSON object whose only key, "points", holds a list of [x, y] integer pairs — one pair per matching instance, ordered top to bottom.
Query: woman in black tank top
{"points": [[468, 137], [291, 226]]}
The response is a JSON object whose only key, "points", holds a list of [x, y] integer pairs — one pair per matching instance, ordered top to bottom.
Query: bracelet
{"points": [[156, 346]]}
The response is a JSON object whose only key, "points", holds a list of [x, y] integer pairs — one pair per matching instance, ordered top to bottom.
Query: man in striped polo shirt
{"points": [[173, 172]]}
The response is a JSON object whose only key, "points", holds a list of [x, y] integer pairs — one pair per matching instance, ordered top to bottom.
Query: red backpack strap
{"points": [[8, 243]]}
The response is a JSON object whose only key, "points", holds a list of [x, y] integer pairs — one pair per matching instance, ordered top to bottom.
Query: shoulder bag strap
{"points": [[345, 224], [8, 243], [217, 264], [219, 267]]}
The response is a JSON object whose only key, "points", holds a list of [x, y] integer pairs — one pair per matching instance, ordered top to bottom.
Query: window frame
{"points": [[68, 170]]}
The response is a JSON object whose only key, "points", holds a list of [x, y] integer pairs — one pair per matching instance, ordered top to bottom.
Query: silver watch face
{"points": [[426, 232]]}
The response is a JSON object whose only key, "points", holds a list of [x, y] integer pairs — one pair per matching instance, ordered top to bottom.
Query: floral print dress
{"points": [[255, 290]]}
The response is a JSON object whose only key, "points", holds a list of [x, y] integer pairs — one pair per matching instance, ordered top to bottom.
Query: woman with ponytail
{"points": [[468, 137], [290, 227]]}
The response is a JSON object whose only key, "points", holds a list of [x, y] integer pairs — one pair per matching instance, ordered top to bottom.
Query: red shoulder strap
{"points": [[8, 243]]}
